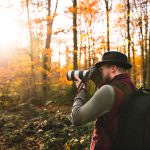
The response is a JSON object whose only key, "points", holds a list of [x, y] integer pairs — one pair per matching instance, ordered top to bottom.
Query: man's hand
{"points": [[80, 84]]}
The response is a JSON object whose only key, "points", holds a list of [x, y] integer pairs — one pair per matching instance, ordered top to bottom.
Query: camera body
{"points": [[93, 74]]}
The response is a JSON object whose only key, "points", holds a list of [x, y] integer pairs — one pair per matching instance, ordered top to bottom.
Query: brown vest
{"points": [[101, 139]]}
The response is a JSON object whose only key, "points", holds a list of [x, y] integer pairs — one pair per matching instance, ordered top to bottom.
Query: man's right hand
{"points": [[79, 84]]}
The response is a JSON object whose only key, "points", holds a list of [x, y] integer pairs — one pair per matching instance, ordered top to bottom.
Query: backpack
{"points": [[134, 121]]}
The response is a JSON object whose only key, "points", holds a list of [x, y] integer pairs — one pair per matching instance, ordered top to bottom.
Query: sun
{"points": [[9, 30]]}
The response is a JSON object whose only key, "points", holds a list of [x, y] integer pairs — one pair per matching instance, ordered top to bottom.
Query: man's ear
{"points": [[113, 68]]}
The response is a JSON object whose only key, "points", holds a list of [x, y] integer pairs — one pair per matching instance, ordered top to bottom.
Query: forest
{"points": [[40, 41]]}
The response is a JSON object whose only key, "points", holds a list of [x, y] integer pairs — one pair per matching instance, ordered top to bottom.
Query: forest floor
{"points": [[28, 127]]}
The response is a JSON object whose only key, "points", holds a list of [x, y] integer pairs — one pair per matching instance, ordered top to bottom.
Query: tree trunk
{"points": [[107, 16], [128, 29], [146, 46], [89, 51], [142, 51], [48, 52], [85, 58], [134, 64], [148, 64], [75, 65], [32, 83]]}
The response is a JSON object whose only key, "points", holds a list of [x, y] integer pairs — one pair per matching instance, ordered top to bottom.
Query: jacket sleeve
{"points": [[101, 103]]}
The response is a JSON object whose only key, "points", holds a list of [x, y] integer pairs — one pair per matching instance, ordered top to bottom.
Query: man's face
{"points": [[106, 72]]}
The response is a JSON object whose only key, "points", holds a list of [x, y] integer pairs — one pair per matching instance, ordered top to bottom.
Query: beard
{"points": [[106, 78]]}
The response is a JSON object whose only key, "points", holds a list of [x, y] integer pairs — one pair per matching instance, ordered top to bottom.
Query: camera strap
{"points": [[80, 87]]}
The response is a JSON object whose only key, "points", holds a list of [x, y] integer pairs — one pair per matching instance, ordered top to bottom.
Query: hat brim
{"points": [[124, 65]]}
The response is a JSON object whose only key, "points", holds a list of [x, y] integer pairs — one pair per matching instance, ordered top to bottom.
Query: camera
{"points": [[82, 74], [93, 74]]}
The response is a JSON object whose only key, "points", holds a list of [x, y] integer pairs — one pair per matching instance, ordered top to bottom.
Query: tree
{"points": [[88, 15], [107, 16], [142, 23], [128, 29], [75, 42], [31, 50], [48, 51], [148, 64], [146, 71]]}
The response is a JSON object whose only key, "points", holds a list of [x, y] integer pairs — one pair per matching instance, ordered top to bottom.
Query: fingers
{"points": [[77, 78], [77, 81]]}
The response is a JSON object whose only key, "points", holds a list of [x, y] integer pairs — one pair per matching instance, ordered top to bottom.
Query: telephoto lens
{"points": [[82, 74]]}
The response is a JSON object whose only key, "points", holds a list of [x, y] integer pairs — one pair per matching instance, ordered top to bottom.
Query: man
{"points": [[105, 104]]}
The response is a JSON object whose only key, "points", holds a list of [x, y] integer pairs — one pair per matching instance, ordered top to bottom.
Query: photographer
{"points": [[104, 106]]}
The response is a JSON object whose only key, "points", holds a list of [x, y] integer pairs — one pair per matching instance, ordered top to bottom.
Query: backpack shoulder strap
{"points": [[123, 87], [126, 90]]}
